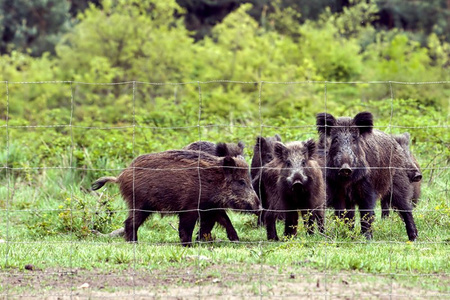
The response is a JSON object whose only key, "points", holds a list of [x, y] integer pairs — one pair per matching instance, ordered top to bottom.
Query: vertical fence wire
{"points": [[391, 93], [72, 175], [8, 186], [326, 191], [134, 192], [260, 245], [198, 274]]}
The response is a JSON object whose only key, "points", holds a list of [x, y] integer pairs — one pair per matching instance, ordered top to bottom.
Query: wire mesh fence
{"points": [[59, 238]]}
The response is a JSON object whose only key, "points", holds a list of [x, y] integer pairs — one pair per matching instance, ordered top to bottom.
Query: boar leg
{"points": [[259, 188], [366, 198], [400, 200], [385, 206], [345, 209], [318, 214], [349, 216], [261, 217], [309, 218], [135, 219], [208, 220], [224, 220], [270, 221], [308, 221], [291, 223], [409, 224], [186, 227]]}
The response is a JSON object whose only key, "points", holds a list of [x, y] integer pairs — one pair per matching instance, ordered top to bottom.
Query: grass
{"points": [[46, 221], [54, 233]]}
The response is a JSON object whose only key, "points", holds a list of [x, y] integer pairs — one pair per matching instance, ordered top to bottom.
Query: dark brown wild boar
{"points": [[263, 153], [361, 165], [412, 170], [293, 181], [182, 182], [210, 218]]}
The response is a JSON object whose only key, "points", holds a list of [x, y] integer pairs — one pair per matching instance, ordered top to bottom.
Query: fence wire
{"points": [[210, 275]]}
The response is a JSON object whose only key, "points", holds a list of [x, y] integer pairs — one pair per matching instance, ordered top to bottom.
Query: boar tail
{"points": [[101, 182]]}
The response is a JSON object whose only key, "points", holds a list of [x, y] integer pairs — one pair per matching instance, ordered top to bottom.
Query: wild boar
{"points": [[263, 153], [363, 164], [412, 169], [293, 181], [183, 182], [210, 218]]}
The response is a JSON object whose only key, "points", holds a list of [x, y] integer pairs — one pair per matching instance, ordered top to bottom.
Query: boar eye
{"points": [[303, 163], [288, 164], [242, 182]]}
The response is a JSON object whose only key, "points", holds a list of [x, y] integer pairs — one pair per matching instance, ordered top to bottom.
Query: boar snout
{"points": [[345, 171], [417, 177], [297, 179], [252, 204], [255, 206]]}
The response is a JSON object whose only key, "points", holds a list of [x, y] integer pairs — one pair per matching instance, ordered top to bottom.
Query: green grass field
{"points": [[50, 222], [49, 236]]}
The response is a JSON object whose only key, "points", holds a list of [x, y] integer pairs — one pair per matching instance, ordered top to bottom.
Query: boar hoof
{"points": [[368, 235], [412, 237]]}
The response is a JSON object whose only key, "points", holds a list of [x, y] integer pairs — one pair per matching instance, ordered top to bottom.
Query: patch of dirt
{"points": [[210, 282]]}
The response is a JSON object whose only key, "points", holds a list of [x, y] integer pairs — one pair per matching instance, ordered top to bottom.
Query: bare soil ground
{"points": [[211, 282]]}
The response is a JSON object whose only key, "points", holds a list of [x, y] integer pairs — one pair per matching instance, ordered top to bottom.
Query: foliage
{"points": [[32, 26], [35, 27], [132, 80]]}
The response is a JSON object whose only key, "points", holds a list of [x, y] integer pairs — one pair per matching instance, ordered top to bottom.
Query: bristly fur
{"points": [[219, 149], [263, 153], [362, 164], [413, 172], [292, 181], [181, 182], [211, 218]]}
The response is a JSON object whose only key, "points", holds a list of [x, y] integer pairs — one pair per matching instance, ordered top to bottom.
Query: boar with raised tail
{"points": [[363, 164], [412, 170], [293, 181], [183, 182], [210, 218]]}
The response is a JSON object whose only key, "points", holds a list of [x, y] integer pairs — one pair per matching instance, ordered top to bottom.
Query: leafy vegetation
{"points": [[132, 81]]}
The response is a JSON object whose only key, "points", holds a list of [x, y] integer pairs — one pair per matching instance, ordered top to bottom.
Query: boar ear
{"points": [[323, 120], [364, 121], [277, 137], [407, 137], [402, 139], [260, 140], [261, 143], [241, 145], [310, 147], [222, 150], [281, 152], [228, 165]]}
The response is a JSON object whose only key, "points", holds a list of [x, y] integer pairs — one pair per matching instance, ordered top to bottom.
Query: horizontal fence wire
{"points": [[73, 209]]}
